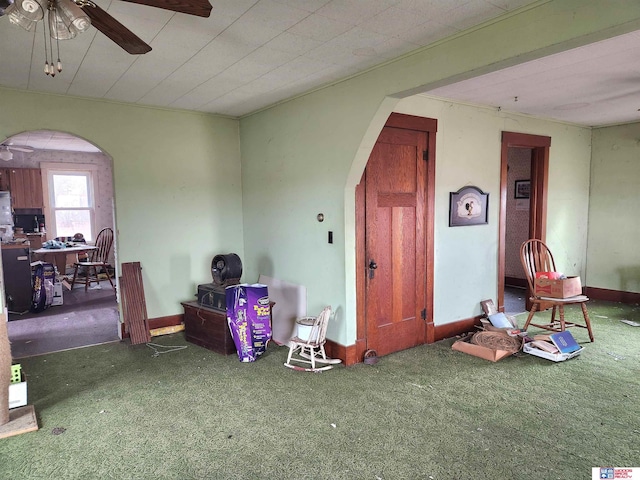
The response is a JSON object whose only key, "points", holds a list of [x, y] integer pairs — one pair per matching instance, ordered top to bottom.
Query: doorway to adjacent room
{"points": [[523, 211], [84, 317]]}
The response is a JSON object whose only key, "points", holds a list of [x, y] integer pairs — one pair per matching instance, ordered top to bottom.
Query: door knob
{"points": [[372, 266]]}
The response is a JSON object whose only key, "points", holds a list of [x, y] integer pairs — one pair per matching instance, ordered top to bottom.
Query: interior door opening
{"points": [[518, 152], [517, 228], [77, 318]]}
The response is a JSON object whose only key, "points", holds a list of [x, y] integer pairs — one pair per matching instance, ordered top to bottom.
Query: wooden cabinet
{"points": [[4, 179], [25, 185], [35, 239], [208, 328]]}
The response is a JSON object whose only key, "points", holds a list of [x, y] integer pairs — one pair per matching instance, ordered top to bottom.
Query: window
{"points": [[71, 202]]}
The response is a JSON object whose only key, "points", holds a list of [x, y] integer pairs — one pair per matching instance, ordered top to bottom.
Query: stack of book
{"points": [[556, 346]]}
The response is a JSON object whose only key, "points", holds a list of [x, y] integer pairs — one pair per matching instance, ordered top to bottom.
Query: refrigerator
{"points": [[6, 217]]}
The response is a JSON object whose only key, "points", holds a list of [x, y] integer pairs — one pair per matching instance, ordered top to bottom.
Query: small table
{"points": [[58, 256]]}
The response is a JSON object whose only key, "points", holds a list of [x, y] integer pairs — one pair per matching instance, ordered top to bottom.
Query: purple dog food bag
{"points": [[259, 315], [249, 319]]}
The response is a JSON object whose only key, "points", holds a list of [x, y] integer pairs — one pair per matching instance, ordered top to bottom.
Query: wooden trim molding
{"points": [[412, 122], [607, 295], [159, 322], [459, 327], [348, 354], [354, 354]]}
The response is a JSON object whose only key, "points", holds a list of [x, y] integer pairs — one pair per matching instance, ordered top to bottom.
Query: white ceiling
{"points": [[253, 53], [247, 55], [594, 85], [48, 140]]}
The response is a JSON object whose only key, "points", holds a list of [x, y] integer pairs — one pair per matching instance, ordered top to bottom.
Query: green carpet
{"points": [[424, 413]]}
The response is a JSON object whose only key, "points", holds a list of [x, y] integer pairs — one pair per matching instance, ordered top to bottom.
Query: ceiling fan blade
{"points": [[201, 8], [117, 32], [17, 148], [20, 148]]}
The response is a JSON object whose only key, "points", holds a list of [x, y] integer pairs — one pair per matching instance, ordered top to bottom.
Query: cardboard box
{"points": [[560, 288], [57, 293], [464, 345], [554, 357], [18, 393]]}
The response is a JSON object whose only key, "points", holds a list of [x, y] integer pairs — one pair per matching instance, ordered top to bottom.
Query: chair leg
{"points": [[95, 271], [75, 274], [86, 278], [109, 278], [530, 317], [587, 320], [562, 324], [291, 348], [322, 352], [313, 358]]}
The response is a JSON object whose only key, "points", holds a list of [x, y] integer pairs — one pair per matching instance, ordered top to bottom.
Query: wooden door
{"points": [[395, 241]]}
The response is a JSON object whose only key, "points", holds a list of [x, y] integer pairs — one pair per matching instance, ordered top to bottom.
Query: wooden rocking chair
{"points": [[536, 257], [308, 344]]}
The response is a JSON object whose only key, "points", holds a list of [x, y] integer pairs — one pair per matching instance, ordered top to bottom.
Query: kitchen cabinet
{"points": [[4, 179], [25, 185]]}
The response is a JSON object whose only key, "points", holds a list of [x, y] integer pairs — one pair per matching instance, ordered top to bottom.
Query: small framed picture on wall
{"points": [[522, 189], [468, 206]]}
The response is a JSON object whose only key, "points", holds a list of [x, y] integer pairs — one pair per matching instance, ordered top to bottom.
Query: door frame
{"points": [[409, 122], [537, 200]]}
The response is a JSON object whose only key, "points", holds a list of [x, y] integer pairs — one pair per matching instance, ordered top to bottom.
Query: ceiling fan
{"points": [[68, 17], [6, 153]]}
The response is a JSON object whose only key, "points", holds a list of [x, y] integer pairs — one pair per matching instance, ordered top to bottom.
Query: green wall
{"points": [[468, 145], [306, 155], [177, 184], [181, 196], [614, 257]]}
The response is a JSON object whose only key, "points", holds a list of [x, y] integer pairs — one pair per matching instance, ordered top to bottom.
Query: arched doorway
{"points": [[60, 162]]}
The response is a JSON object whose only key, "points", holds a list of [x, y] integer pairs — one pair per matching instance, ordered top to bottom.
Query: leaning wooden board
{"points": [[134, 307]]}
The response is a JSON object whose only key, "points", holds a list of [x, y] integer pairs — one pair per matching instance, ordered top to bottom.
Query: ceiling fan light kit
{"points": [[66, 18], [5, 153]]}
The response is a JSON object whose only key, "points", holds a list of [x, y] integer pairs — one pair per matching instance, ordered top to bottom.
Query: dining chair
{"points": [[536, 257], [97, 258]]}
